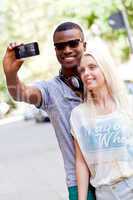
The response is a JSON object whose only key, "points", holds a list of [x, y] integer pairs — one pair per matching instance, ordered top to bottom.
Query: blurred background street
{"points": [[31, 166]]}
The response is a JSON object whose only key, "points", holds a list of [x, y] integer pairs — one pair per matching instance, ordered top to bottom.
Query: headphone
{"points": [[73, 81]]}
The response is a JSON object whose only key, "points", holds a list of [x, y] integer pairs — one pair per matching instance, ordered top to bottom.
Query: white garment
{"points": [[107, 148], [120, 191]]}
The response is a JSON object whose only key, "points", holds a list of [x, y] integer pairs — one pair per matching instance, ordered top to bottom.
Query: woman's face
{"points": [[91, 74]]}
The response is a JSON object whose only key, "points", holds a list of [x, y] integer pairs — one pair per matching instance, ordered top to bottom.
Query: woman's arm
{"points": [[82, 173]]}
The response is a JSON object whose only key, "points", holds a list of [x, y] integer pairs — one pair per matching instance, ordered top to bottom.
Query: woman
{"points": [[102, 127]]}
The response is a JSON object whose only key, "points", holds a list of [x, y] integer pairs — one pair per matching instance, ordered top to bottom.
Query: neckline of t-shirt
{"points": [[107, 116]]}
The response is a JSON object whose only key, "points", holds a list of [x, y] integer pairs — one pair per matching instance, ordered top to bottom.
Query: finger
{"points": [[12, 45]]}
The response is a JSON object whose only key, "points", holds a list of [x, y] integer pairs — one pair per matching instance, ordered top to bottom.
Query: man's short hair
{"points": [[68, 26]]}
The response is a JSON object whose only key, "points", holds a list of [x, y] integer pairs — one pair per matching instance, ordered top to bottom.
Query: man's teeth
{"points": [[69, 58]]}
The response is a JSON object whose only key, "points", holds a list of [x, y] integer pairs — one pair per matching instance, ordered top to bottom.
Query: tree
{"points": [[34, 20]]}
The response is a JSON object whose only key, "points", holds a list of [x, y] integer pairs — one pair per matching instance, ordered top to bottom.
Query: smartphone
{"points": [[27, 50]]}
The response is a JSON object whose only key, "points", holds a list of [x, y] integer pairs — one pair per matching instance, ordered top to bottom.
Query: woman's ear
{"points": [[85, 44]]}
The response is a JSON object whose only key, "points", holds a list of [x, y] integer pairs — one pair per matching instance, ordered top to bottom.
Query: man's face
{"points": [[69, 47]]}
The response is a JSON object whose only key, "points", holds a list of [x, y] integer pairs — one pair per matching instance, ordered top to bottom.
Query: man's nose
{"points": [[67, 49]]}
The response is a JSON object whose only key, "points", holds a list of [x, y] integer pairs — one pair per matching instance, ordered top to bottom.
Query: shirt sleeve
{"points": [[44, 89], [73, 123]]}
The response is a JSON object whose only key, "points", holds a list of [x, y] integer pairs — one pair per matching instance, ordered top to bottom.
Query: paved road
{"points": [[31, 166]]}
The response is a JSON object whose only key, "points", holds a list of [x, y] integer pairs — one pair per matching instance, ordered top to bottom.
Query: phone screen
{"points": [[27, 50]]}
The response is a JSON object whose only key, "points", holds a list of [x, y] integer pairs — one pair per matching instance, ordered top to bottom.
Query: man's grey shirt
{"points": [[58, 100]]}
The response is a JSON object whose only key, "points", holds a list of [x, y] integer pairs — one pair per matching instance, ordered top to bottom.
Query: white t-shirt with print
{"points": [[107, 147]]}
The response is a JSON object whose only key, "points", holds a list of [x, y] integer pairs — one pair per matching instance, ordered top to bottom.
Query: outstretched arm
{"points": [[18, 90], [82, 173]]}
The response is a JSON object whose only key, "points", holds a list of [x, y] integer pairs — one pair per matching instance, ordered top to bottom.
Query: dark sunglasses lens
{"points": [[71, 43], [74, 43], [60, 46]]}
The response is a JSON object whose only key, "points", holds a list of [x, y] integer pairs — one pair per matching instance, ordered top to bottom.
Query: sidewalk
{"points": [[31, 166]]}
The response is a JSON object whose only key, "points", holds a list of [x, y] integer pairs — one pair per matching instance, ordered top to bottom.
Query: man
{"points": [[57, 96]]}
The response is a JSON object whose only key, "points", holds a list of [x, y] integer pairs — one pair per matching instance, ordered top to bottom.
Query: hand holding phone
{"points": [[26, 50]]}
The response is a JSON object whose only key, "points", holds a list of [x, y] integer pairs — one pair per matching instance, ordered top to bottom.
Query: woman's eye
{"points": [[92, 67], [81, 70]]}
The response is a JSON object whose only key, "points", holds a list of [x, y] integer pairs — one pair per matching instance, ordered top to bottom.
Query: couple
{"points": [[86, 157]]}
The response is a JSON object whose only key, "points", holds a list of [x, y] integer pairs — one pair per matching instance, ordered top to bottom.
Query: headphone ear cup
{"points": [[74, 82]]}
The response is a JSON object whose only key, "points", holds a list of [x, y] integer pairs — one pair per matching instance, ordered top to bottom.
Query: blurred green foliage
{"points": [[35, 20]]}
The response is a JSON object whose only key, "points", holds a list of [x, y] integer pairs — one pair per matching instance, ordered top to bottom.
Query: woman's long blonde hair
{"points": [[115, 85]]}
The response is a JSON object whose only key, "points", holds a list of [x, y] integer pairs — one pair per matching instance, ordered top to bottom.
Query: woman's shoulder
{"points": [[79, 109], [77, 115]]}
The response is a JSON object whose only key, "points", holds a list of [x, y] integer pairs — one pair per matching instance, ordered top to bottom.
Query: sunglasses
{"points": [[70, 43]]}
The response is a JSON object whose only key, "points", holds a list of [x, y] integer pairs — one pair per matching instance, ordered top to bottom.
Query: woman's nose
{"points": [[87, 71]]}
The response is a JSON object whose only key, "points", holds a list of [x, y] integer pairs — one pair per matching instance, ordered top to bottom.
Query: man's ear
{"points": [[85, 44]]}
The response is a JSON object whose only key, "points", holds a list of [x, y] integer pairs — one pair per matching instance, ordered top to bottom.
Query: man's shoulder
{"points": [[55, 79], [48, 83]]}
